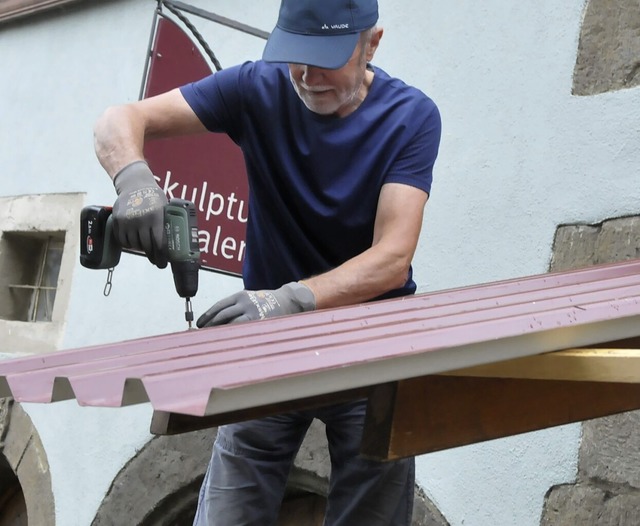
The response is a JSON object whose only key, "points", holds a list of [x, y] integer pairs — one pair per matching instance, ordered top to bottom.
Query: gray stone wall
{"points": [[607, 489]]}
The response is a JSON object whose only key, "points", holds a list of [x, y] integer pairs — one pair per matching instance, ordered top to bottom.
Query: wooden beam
{"points": [[585, 365], [432, 413], [164, 423]]}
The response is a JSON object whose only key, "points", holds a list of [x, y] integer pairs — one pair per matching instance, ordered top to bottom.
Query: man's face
{"points": [[332, 91]]}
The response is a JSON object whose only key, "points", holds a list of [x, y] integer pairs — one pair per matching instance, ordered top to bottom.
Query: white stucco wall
{"points": [[519, 156]]}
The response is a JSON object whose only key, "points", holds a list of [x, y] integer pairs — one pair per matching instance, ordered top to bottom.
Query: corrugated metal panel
{"points": [[235, 367]]}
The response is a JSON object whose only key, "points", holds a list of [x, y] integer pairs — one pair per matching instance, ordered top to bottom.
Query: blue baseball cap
{"points": [[321, 33]]}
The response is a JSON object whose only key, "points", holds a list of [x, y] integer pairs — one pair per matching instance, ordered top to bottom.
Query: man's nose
{"points": [[311, 75]]}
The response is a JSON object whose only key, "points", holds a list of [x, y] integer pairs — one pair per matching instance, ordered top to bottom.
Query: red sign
{"points": [[207, 169]]}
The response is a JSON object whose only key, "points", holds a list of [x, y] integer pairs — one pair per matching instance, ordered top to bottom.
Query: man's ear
{"points": [[374, 42]]}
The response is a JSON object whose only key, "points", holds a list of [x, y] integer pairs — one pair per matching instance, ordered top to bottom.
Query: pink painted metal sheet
{"points": [[235, 367]]}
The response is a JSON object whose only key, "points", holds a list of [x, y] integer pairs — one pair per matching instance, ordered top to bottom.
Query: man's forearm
{"points": [[121, 131], [118, 138], [385, 265], [360, 279]]}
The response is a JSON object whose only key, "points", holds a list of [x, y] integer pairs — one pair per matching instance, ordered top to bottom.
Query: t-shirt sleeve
{"points": [[217, 100], [414, 164]]}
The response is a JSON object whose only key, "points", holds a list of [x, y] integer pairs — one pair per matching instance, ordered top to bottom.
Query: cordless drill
{"points": [[100, 250]]}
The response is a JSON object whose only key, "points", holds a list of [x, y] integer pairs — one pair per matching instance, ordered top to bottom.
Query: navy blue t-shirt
{"points": [[314, 180]]}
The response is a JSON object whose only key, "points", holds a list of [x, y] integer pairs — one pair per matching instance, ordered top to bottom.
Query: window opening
{"points": [[30, 268]]}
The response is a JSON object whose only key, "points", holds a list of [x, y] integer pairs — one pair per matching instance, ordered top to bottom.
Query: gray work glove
{"points": [[138, 213], [249, 305]]}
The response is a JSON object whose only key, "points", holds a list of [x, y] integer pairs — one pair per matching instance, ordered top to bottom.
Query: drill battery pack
{"points": [[97, 248]]}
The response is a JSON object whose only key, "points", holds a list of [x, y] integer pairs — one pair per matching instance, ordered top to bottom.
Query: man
{"points": [[339, 157]]}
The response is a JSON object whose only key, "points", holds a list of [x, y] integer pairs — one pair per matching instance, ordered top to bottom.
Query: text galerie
{"points": [[224, 217]]}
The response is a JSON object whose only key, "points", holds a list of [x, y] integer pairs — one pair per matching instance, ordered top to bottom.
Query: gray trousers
{"points": [[246, 478]]}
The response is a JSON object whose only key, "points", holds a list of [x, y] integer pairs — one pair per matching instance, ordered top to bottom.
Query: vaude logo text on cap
{"points": [[335, 26]]}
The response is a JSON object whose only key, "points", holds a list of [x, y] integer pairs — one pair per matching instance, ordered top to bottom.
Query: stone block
{"points": [[609, 47], [618, 240], [574, 247], [610, 449], [591, 506]]}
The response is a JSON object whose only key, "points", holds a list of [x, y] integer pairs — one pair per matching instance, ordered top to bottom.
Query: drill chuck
{"points": [[185, 277]]}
